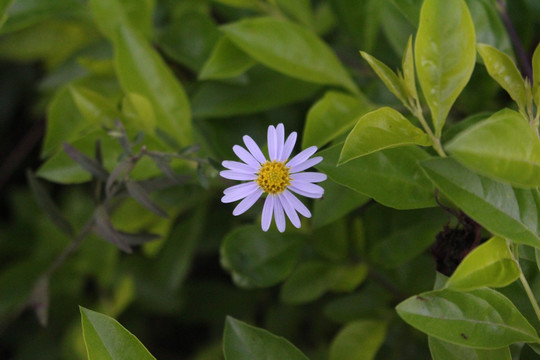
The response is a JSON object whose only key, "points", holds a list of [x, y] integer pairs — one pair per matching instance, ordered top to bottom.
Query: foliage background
{"points": [[174, 293]]}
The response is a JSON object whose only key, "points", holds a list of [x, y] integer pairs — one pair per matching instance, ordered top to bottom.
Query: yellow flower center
{"points": [[273, 177]]}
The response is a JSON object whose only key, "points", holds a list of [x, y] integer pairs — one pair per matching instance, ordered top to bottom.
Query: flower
{"points": [[278, 177]]}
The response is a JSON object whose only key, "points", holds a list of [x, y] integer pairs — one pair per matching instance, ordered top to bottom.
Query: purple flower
{"points": [[278, 177]]}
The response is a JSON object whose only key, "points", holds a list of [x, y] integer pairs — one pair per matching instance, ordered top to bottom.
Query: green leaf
{"points": [[247, 4], [4, 5], [299, 10], [110, 15], [360, 20], [488, 25], [290, 49], [444, 55], [226, 61], [141, 70], [504, 71], [536, 75], [409, 78], [390, 79], [224, 100], [95, 108], [139, 110], [332, 116], [380, 129], [504, 147], [391, 177], [142, 197], [504, 211], [257, 258], [490, 264], [480, 318], [106, 339], [359, 340], [245, 342], [442, 350]]}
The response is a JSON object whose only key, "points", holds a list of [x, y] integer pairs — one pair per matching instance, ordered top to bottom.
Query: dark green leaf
{"points": [[113, 14], [226, 61], [87, 163], [143, 198], [106, 230], [39, 300], [359, 340], [442, 350]]}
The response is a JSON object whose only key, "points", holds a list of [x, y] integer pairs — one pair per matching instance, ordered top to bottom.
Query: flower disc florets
{"points": [[273, 177]]}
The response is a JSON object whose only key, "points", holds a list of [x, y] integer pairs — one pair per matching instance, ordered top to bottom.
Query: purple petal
{"points": [[280, 140], [272, 143], [288, 147], [254, 149], [246, 156], [302, 156], [306, 164], [239, 167], [235, 175], [311, 177], [302, 191], [237, 192], [248, 202], [296, 204], [268, 209], [290, 211], [279, 216]]}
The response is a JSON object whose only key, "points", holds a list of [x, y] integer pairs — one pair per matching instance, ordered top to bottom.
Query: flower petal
{"points": [[280, 140], [272, 142], [288, 147], [254, 149], [246, 156], [302, 156], [306, 164], [238, 166], [235, 175], [311, 177], [301, 190], [237, 192], [248, 202], [296, 204], [290, 211], [267, 212], [279, 215]]}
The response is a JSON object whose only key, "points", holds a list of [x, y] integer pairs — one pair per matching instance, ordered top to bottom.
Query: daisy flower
{"points": [[277, 177]]}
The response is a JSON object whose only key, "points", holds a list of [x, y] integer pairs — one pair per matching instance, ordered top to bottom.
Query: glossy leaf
{"points": [[113, 14], [290, 49], [444, 55], [226, 61], [141, 70], [503, 70], [536, 75], [389, 77], [409, 77], [224, 100], [331, 116], [380, 129], [503, 147], [391, 177], [504, 211], [257, 258], [490, 264], [480, 318], [106, 339], [359, 340], [245, 342], [442, 350]]}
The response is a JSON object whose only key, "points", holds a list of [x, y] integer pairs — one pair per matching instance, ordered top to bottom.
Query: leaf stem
{"points": [[416, 109], [525, 283]]}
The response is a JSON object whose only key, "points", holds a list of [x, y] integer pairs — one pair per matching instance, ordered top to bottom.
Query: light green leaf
{"points": [[110, 15], [290, 49], [444, 55], [226, 61], [141, 70], [504, 71], [536, 75], [409, 78], [390, 79], [265, 90], [95, 108], [140, 112], [332, 116], [380, 129], [504, 147], [391, 177], [507, 212], [257, 258], [490, 264], [480, 318], [106, 339], [359, 340], [245, 342], [442, 350]]}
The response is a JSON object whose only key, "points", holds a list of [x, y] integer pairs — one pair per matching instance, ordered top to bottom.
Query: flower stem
{"points": [[416, 109]]}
